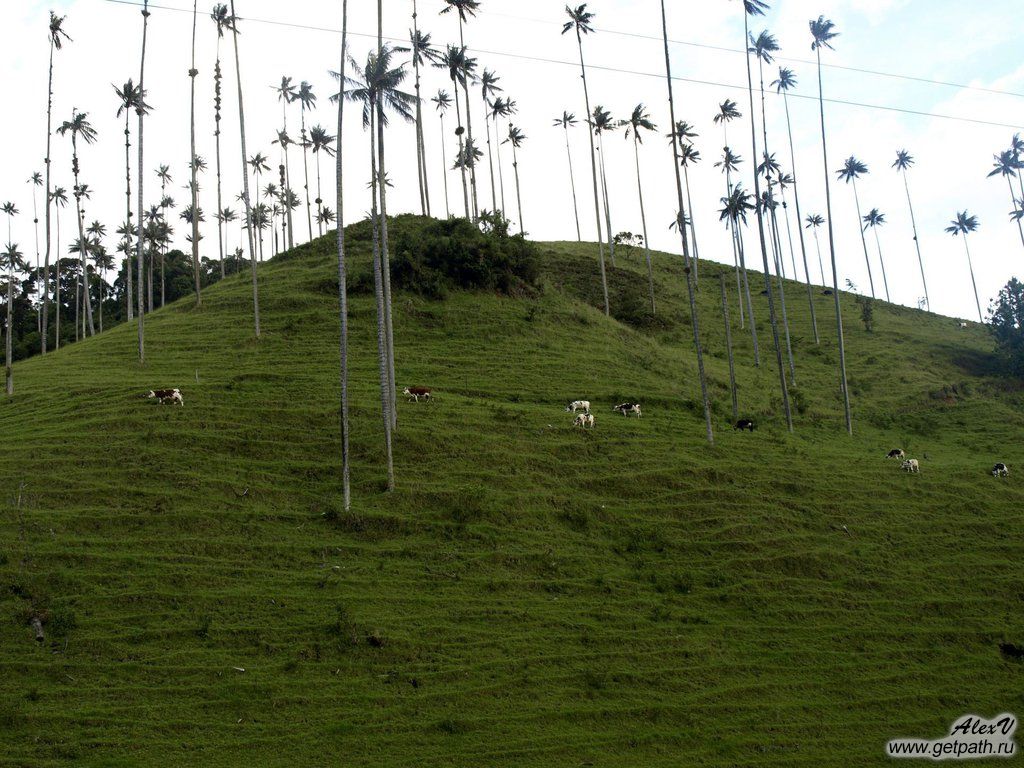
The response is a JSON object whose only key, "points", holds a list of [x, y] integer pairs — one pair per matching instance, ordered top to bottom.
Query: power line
{"points": [[636, 73]]}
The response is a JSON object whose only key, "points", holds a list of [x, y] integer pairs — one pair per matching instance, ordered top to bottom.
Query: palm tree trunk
{"points": [[469, 129], [462, 151], [490, 157], [192, 161], [421, 163], [444, 164], [593, 168], [305, 171], [501, 173], [287, 181], [245, 182], [572, 183], [319, 197], [519, 197], [607, 204], [1013, 204], [128, 213], [643, 220], [139, 222], [799, 224], [221, 229], [682, 232], [693, 232], [761, 232], [863, 238], [81, 240], [917, 243], [777, 248], [832, 250], [881, 260], [736, 262], [46, 263], [821, 264], [342, 270], [386, 271], [56, 281], [974, 283], [378, 289], [728, 347], [8, 348]]}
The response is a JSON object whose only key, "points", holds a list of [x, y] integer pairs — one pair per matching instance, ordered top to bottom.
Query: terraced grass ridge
{"points": [[531, 594]]}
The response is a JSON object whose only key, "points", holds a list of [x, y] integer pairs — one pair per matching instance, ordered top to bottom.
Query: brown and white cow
{"points": [[415, 393], [167, 396]]}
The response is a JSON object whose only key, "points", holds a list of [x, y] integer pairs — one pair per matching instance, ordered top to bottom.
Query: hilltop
{"points": [[530, 595]]}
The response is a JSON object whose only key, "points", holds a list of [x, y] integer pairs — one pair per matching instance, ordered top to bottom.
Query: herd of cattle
{"points": [[584, 419], [914, 466]]}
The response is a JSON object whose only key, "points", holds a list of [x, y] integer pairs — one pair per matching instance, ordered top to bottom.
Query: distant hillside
{"points": [[531, 594]]}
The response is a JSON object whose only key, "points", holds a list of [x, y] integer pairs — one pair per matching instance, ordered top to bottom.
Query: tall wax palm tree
{"points": [[757, 8], [465, 10], [224, 22], [581, 22], [823, 33], [57, 36], [423, 53], [459, 68], [192, 73], [786, 83], [489, 87], [285, 94], [130, 98], [307, 100], [443, 103], [503, 108], [727, 112], [641, 120], [565, 122], [601, 122], [79, 126], [516, 138], [320, 141], [688, 155], [904, 160], [259, 165], [1006, 165], [852, 170], [245, 178], [36, 180], [59, 198], [166, 204], [10, 210], [734, 213], [226, 216], [682, 218], [874, 220], [260, 221], [812, 222], [964, 224], [97, 231], [139, 241], [12, 260], [342, 269]]}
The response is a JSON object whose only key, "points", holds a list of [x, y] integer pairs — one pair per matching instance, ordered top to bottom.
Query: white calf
{"points": [[578, 405], [585, 420], [911, 465]]}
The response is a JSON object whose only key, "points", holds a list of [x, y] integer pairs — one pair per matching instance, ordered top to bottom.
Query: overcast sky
{"points": [[923, 40]]}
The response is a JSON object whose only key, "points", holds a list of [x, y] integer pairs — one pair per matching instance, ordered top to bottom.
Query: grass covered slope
{"points": [[531, 595]]}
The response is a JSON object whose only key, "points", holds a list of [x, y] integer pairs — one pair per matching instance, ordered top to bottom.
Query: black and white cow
{"points": [[167, 396], [578, 405], [627, 408], [584, 420], [743, 424], [896, 453], [911, 465], [1000, 470]]}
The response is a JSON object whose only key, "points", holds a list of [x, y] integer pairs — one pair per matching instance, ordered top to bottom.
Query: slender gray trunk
{"points": [[469, 128], [462, 151], [490, 156], [421, 161], [192, 163], [444, 164], [593, 168], [305, 170], [245, 180], [572, 183], [519, 198], [607, 203], [1013, 204], [128, 214], [643, 220], [139, 222], [799, 223], [221, 229], [693, 232], [682, 233], [761, 233], [863, 239], [81, 241], [917, 243], [777, 248], [832, 250], [385, 251], [881, 260], [46, 263], [974, 284], [342, 285], [728, 347]]}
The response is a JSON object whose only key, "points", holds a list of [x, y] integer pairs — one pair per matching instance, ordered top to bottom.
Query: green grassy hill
{"points": [[530, 595]]}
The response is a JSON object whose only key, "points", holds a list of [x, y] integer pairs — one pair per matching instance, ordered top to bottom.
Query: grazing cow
{"points": [[827, 292], [963, 325], [415, 393], [167, 396], [578, 405], [627, 408], [585, 420], [743, 424], [896, 453], [911, 465], [1000, 470]]}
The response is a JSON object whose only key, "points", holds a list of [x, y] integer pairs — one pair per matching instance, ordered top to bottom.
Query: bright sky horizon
{"points": [[934, 46]]}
